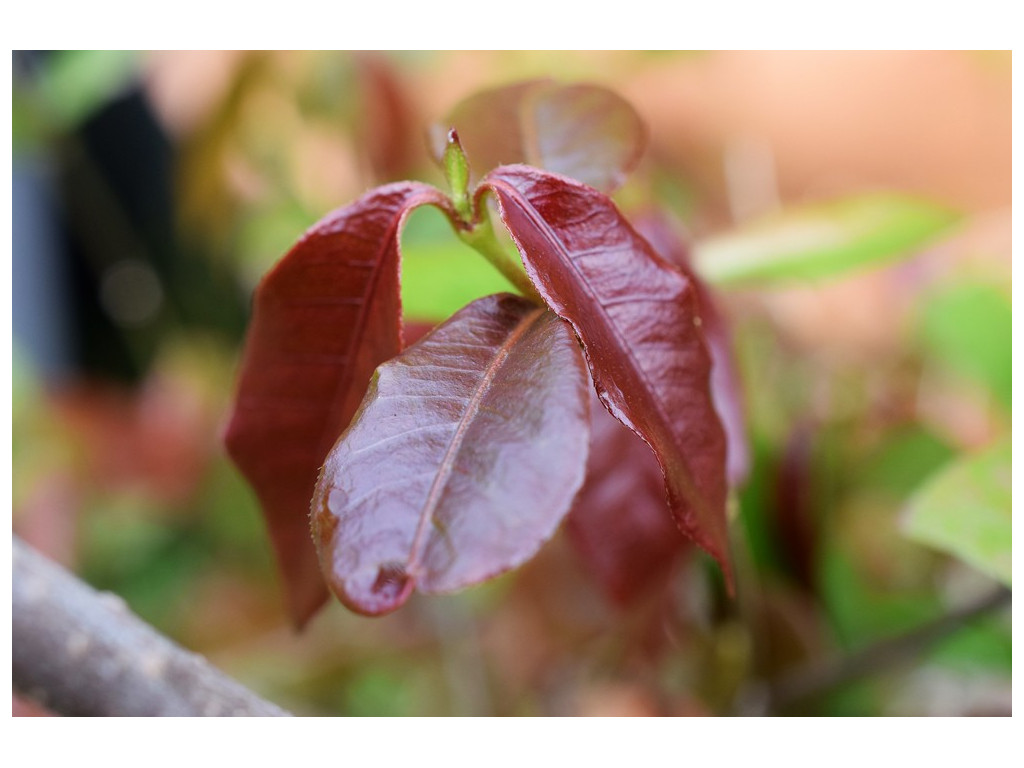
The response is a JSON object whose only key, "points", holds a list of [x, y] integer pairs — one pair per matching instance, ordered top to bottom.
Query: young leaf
{"points": [[583, 131], [823, 240], [323, 319], [638, 319], [726, 388], [465, 455], [966, 510], [620, 521]]}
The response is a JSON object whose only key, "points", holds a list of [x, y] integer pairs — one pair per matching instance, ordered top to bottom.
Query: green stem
{"points": [[474, 222], [482, 238]]}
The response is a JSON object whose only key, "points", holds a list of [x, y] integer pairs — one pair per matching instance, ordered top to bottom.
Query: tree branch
{"points": [[77, 651], [822, 675]]}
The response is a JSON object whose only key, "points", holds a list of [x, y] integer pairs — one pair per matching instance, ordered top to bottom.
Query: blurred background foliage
{"points": [[152, 190]]}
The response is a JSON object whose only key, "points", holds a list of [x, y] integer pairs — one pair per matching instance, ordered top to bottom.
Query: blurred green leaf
{"points": [[75, 83], [29, 129], [267, 234], [823, 240], [440, 274], [968, 327], [25, 400], [40, 444], [905, 459], [755, 506], [965, 510], [232, 523], [127, 549], [859, 612], [981, 645], [378, 692]]}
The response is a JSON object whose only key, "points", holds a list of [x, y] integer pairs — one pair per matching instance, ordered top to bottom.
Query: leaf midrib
{"points": [[546, 230], [447, 462]]}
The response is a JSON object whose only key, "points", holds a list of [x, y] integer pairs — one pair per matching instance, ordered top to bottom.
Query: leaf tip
{"points": [[375, 591]]}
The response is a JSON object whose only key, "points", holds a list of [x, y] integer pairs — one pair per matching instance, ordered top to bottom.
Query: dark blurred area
{"points": [[152, 190], [104, 248]]}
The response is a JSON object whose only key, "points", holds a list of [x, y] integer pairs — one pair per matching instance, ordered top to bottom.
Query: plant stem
{"points": [[474, 221], [481, 237], [816, 678]]}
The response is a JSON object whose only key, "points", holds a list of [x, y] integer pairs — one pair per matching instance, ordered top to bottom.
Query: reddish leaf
{"points": [[385, 118], [583, 131], [637, 317], [323, 319], [415, 330], [726, 389], [463, 459], [795, 506], [620, 521]]}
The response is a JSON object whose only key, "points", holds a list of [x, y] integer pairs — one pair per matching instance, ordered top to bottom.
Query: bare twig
{"points": [[77, 651], [823, 675]]}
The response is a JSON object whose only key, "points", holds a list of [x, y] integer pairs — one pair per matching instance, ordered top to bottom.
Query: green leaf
{"points": [[75, 83], [823, 239], [968, 328], [903, 460], [965, 510], [861, 611], [982, 645]]}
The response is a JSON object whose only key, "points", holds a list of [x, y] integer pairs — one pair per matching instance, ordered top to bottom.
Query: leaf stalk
{"points": [[481, 237]]}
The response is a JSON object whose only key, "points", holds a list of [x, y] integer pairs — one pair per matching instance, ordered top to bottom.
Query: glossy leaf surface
{"points": [[583, 131], [822, 240], [323, 319], [638, 319], [726, 387], [463, 459], [966, 510], [620, 522]]}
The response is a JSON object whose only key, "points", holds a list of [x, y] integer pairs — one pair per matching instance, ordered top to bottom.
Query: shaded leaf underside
{"points": [[637, 317], [323, 319], [726, 388], [465, 455], [620, 521]]}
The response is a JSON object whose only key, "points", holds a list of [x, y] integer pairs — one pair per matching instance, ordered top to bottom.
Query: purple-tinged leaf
{"points": [[385, 118], [583, 131], [638, 318], [323, 319], [726, 387], [465, 455], [796, 506], [620, 522]]}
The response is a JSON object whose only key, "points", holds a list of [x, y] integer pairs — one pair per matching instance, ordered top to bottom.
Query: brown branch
{"points": [[77, 651], [823, 675]]}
